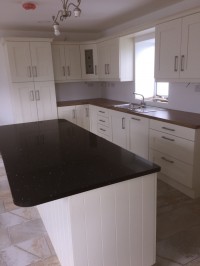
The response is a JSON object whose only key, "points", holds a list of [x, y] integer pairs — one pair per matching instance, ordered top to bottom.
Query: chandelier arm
{"points": [[72, 4], [59, 13]]}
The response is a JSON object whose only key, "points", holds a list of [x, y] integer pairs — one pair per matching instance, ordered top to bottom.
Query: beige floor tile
{"points": [[2, 169], [3, 177], [4, 189], [8, 204], [2, 209], [27, 213], [8, 219], [177, 220], [26, 231], [4, 239], [50, 244], [36, 246], [182, 247], [14, 256], [52, 261], [164, 262], [194, 263]]}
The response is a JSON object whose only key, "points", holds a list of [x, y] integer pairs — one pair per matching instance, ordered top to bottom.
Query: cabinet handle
{"points": [[182, 62], [176, 63], [63, 68], [105, 68], [34, 69], [95, 69], [108, 69], [68, 70], [29, 72], [37, 95], [31, 96], [87, 111], [102, 112], [74, 113], [137, 119], [102, 120], [123, 123], [102, 129], [170, 129], [163, 137], [167, 160]]}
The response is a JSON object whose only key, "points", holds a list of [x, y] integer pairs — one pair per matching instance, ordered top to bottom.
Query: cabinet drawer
{"points": [[102, 111], [103, 120], [103, 130], [179, 131], [179, 148], [173, 168]]}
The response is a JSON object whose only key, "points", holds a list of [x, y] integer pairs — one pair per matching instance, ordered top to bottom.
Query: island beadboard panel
{"points": [[112, 225]]}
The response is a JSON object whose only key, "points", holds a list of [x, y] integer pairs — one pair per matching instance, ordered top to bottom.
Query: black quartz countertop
{"points": [[53, 159]]}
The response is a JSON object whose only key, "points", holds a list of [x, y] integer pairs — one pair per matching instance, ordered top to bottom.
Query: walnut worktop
{"points": [[186, 119]]}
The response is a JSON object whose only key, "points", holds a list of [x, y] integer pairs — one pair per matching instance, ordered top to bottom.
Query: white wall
{"points": [[78, 90]]}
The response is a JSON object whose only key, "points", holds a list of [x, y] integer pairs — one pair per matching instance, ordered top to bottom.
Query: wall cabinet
{"points": [[177, 49], [116, 59], [30, 61], [89, 61], [66, 62], [78, 115], [120, 130], [139, 135], [176, 150]]}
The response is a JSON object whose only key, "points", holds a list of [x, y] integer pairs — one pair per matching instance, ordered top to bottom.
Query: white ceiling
{"points": [[96, 16]]}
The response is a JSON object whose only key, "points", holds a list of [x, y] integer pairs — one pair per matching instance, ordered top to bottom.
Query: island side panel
{"points": [[109, 226]]}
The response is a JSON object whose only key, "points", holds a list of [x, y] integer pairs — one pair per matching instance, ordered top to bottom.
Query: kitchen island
{"points": [[97, 200]]}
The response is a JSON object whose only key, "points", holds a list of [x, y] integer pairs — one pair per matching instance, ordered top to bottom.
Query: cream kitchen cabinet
{"points": [[177, 49], [116, 59], [29, 60], [89, 61], [66, 62], [34, 101], [78, 115], [120, 129], [139, 135], [176, 150]]}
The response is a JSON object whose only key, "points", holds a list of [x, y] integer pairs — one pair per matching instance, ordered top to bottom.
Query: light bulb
{"points": [[77, 12], [56, 28]]}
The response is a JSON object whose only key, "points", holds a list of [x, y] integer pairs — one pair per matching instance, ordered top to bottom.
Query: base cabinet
{"points": [[34, 101], [79, 224]]}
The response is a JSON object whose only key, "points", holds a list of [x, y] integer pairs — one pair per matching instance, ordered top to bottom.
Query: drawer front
{"points": [[102, 111], [103, 120], [101, 129], [179, 131], [179, 148], [175, 169]]}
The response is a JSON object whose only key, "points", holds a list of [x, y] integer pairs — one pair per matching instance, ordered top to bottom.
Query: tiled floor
{"points": [[24, 241]]}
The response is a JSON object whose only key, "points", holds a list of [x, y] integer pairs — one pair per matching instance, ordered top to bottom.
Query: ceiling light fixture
{"points": [[65, 13]]}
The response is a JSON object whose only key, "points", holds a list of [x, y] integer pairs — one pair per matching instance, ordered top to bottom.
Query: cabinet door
{"points": [[167, 50], [58, 53], [190, 53], [41, 56], [113, 56], [102, 60], [19, 61], [89, 61], [73, 62], [46, 100], [24, 104], [68, 113], [82, 116], [93, 119], [120, 133], [139, 135]]}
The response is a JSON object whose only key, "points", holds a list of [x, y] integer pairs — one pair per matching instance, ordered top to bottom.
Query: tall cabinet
{"points": [[31, 79]]}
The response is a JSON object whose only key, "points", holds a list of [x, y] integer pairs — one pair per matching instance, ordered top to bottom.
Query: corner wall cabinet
{"points": [[177, 49], [116, 59], [89, 61], [66, 62], [30, 67]]}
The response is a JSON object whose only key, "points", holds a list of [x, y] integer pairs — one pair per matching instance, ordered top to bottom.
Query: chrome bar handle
{"points": [[182, 62], [176, 63], [63, 68], [108, 68], [95, 69], [68, 70], [29, 72], [36, 74], [37, 95], [31, 96], [87, 111], [74, 113], [137, 119], [123, 123], [167, 128], [102, 129], [163, 137], [167, 160]]}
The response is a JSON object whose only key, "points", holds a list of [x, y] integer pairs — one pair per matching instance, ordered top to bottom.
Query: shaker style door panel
{"points": [[58, 53], [73, 62]]}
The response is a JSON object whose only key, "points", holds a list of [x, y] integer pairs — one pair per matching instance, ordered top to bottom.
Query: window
{"points": [[144, 72]]}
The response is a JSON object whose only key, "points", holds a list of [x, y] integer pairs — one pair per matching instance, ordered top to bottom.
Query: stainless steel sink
{"points": [[138, 108]]}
